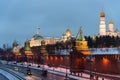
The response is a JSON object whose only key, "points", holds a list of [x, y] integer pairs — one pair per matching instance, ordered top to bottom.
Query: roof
{"points": [[102, 14], [111, 22], [68, 31], [37, 36], [80, 36], [105, 51]]}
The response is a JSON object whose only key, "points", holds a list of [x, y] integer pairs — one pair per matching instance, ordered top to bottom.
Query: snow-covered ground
{"points": [[95, 51]]}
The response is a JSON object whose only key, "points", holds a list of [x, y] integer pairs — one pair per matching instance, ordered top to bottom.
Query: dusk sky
{"points": [[20, 18]]}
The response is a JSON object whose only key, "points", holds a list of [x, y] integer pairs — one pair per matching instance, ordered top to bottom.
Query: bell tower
{"points": [[111, 26], [102, 27]]}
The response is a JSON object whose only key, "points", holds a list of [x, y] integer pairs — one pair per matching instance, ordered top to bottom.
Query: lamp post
{"points": [[43, 60], [60, 67], [66, 69], [91, 76]]}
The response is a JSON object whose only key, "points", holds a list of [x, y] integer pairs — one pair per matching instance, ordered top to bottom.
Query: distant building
{"points": [[102, 27], [66, 36], [37, 38], [16, 48]]}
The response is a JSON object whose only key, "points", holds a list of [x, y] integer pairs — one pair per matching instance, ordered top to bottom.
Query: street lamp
{"points": [[89, 58], [53, 67], [60, 67], [66, 69], [91, 76]]}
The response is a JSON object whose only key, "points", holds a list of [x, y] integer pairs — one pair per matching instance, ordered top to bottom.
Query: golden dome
{"points": [[102, 14], [111, 22], [68, 32]]}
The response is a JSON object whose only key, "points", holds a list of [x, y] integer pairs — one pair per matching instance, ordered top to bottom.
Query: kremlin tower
{"points": [[102, 27], [81, 44], [16, 49], [43, 50], [28, 51], [77, 56]]}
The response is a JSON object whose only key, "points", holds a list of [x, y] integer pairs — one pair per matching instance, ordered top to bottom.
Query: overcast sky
{"points": [[20, 18]]}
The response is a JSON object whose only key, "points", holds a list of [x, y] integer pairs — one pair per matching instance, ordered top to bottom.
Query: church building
{"points": [[103, 29]]}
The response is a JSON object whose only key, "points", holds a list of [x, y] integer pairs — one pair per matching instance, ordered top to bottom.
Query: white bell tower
{"points": [[102, 27]]}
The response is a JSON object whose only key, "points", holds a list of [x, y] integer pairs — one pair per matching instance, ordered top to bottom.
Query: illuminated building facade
{"points": [[102, 27], [102, 30], [66, 36], [37, 38]]}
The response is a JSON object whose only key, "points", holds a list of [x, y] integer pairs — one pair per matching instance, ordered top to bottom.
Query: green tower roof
{"points": [[80, 36], [27, 46]]}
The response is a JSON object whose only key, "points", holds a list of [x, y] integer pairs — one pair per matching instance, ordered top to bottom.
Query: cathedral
{"points": [[102, 27], [66, 36]]}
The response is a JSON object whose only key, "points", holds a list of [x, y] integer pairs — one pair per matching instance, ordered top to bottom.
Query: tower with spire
{"points": [[102, 27], [81, 44], [16, 49], [28, 51], [77, 56]]}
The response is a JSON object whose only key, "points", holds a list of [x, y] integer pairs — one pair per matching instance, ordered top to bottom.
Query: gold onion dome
{"points": [[102, 14], [111, 22], [68, 31]]}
